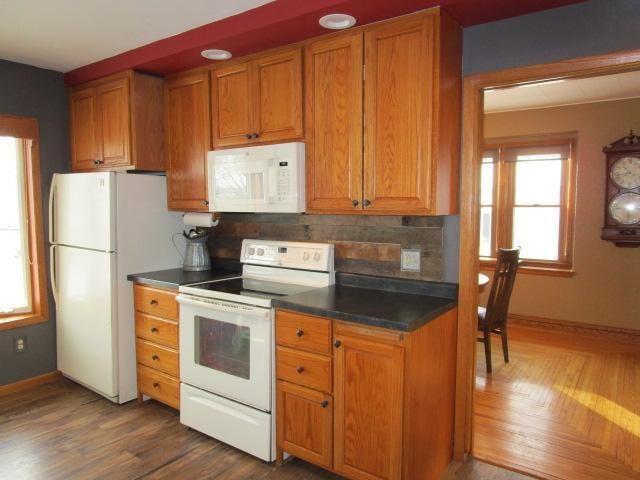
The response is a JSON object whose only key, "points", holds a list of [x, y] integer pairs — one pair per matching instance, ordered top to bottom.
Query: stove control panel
{"points": [[300, 255]]}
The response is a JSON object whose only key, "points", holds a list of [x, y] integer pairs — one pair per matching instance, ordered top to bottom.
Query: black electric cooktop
{"points": [[252, 288]]}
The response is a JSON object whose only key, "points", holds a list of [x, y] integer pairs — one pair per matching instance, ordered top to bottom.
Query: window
{"points": [[527, 202], [22, 281], [15, 294]]}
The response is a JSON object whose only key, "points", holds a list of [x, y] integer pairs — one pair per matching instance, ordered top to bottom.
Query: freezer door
{"points": [[82, 210], [84, 289]]}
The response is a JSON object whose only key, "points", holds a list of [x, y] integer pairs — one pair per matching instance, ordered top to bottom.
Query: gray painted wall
{"points": [[590, 28], [579, 30], [35, 92]]}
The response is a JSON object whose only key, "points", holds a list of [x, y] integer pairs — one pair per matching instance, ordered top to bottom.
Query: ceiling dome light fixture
{"points": [[337, 21], [215, 54]]}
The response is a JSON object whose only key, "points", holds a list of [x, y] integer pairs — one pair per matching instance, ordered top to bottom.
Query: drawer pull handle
{"points": [[153, 302], [154, 330], [300, 333], [337, 343], [155, 358], [300, 369], [156, 385], [325, 404]]}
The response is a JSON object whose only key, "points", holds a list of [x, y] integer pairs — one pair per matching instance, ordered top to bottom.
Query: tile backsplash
{"points": [[363, 244]]}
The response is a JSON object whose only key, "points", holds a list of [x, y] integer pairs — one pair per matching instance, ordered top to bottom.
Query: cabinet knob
{"points": [[256, 135], [249, 136], [366, 202], [205, 203], [355, 203], [153, 302], [154, 330], [300, 333], [337, 343], [155, 358], [300, 369], [156, 385], [325, 404]]}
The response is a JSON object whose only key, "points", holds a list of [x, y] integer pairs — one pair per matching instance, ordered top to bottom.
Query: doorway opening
{"points": [[563, 406]]}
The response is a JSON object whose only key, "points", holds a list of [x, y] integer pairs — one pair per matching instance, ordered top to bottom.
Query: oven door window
{"points": [[223, 346]]}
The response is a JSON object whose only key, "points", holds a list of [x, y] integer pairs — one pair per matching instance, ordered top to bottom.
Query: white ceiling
{"points": [[66, 34], [566, 92]]}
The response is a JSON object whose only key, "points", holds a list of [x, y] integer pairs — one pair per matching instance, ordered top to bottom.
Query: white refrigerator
{"points": [[102, 227]]}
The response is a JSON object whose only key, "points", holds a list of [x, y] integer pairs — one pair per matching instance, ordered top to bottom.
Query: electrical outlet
{"points": [[410, 259], [20, 344]]}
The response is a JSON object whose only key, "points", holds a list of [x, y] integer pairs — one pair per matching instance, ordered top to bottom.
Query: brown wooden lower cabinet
{"points": [[157, 352], [389, 413], [305, 423]]}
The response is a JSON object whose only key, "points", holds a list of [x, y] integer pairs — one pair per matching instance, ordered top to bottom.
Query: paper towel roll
{"points": [[199, 219]]}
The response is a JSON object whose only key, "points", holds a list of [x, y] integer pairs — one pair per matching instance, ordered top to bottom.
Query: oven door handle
{"points": [[225, 307]]}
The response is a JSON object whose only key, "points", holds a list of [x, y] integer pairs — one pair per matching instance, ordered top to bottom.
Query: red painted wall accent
{"points": [[287, 21]]}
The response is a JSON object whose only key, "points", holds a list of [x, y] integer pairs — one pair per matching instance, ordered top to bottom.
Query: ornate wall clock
{"points": [[622, 199]]}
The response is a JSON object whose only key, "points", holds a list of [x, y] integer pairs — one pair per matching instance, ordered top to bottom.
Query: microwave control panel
{"points": [[284, 180], [301, 255]]}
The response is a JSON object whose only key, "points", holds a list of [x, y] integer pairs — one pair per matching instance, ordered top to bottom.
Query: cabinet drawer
{"points": [[155, 301], [157, 330], [305, 332], [159, 357], [307, 369], [159, 386], [305, 423]]}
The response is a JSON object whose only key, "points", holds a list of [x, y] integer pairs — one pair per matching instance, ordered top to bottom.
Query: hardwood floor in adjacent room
{"points": [[565, 407], [62, 431]]}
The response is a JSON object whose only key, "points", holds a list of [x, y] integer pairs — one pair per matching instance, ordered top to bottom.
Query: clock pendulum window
{"points": [[622, 198]]}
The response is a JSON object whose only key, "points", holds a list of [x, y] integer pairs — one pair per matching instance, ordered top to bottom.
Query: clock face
{"points": [[625, 172], [625, 208]]}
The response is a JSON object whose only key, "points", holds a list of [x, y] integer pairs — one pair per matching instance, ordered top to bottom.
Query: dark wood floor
{"points": [[63, 431]]}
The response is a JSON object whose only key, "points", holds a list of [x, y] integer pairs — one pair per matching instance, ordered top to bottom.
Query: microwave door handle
{"points": [[266, 196]]}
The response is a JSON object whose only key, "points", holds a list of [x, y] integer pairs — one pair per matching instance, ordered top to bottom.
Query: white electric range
{"points": [[227, 341]]}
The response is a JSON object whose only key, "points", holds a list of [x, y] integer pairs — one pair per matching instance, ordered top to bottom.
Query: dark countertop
{"points": [[175, 277], [396, 304]]}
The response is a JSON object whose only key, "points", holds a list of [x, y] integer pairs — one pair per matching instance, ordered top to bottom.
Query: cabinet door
{"points": [[333, 75], [277, 97], [398, 100], [231, 105], [115, 123], [187, 130], [85, 150], [368, 382], [305, 423]]}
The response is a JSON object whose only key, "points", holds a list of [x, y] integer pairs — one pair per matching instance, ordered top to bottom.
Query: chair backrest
{"points": [[501, 287]]}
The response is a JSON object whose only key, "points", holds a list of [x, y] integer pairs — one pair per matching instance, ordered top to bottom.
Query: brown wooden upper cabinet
{"points": [[258, 100], [116, 123], [187, 140], [395, 152]]}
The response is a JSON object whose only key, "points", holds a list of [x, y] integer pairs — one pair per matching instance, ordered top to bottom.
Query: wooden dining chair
{"points": [[493, 318]]}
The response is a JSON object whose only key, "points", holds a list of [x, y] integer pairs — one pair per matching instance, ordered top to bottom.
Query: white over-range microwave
{"points": [[266, 178]]}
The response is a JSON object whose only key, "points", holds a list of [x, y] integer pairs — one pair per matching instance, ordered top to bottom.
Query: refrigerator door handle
{"points": [[51, 209], [52, 271]]}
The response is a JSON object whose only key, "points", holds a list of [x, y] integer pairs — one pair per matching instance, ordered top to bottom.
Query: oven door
{"points": [[225, 348]]}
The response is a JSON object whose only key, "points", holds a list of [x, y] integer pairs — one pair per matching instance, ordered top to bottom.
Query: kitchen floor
{"points": [[565, 407], [64, 431]]}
